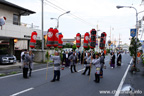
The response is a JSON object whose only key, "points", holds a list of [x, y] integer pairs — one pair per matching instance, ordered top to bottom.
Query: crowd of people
{"points": [[70, 59], [27, 63]]}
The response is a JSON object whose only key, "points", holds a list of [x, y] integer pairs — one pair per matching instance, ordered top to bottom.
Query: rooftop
{"points": [[23, 11]]}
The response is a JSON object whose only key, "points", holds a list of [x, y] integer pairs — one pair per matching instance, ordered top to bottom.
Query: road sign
{"points": [[132, 32]]}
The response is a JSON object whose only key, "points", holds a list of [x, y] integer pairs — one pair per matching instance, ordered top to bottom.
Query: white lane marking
{"points": [[81, 70], [21, 73], [122, 81], [22, 91]]}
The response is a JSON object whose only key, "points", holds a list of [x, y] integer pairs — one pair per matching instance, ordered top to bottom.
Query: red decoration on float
{"points": [[56, 34], [50, 37], [92, 38], [33, 39], [60, 40], [78, 40], [86, 40], [103, 40]]}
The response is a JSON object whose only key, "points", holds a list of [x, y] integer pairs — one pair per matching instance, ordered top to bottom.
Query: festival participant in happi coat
{"points": [[73, 60], [57, 62], [87, 62], [96, 62]]}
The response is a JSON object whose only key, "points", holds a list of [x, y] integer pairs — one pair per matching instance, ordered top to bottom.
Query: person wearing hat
{"points": [[119, 57], [73, 59], [57, 61], [87, 61]]}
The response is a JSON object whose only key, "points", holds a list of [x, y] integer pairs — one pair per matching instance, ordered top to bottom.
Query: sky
{"points": [[90, 13]]}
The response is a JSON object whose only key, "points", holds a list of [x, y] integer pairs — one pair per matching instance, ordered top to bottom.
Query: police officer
{"points": [[73, 60], [57, 61], [87, 63]]}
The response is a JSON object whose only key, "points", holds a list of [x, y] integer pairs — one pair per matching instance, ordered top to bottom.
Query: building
{"points": [[14, 30]]}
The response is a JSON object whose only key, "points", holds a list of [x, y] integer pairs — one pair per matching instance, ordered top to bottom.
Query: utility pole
{"points": [[110, 33], [42, 35], [97, 39], [119, 41]]}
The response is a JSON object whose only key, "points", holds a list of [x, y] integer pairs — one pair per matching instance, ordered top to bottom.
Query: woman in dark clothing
{"points": [[119, 57], [112, 60]]}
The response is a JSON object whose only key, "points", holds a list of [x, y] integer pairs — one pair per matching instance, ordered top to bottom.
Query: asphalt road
{"points": [[70, 84]]}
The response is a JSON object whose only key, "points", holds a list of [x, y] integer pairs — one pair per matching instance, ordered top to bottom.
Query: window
{"points": [[15, 19]]}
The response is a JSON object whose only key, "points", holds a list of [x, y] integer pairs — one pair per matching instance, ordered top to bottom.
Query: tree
{"points": [[38, 44], [68, 45], [74, 47], [133, 47]]}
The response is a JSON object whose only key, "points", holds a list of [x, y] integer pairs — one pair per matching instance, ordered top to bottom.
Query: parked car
{"points": [[6, 58]]}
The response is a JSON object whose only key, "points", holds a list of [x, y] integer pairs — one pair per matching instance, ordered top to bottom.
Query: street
{"points": [[70, 84]]}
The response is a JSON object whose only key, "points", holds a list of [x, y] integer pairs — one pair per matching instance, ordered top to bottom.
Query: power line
{"points": [[76, 17]]}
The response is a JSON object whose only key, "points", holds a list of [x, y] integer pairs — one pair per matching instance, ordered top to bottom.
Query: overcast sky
{"points": [[94, 12]]}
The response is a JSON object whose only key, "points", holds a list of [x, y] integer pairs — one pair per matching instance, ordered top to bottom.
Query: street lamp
{"points": [[59, 17], [136, 27]]}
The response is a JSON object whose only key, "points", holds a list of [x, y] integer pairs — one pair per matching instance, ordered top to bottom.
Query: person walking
{"points": [[103, 54], [138, 56], [31, 57], [119, 58], [66, 59], [73, 59], [112, 60], [57, 62], [96, 62], [87, 63], [102, 64], [25, 65]]}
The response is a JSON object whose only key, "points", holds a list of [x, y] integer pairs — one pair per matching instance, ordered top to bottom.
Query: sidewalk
{"points": [[8, 66], [6, 69], [136, 80]]}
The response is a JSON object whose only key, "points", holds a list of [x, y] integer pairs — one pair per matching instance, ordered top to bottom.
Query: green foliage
{"points": [[38, 44], [68, 45], [133, 46], [74, 47], [87, 48], [56, 49], [108, 51], [96, 52], [47, 55], [61, 56], [142, 58], [2, 74]]}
